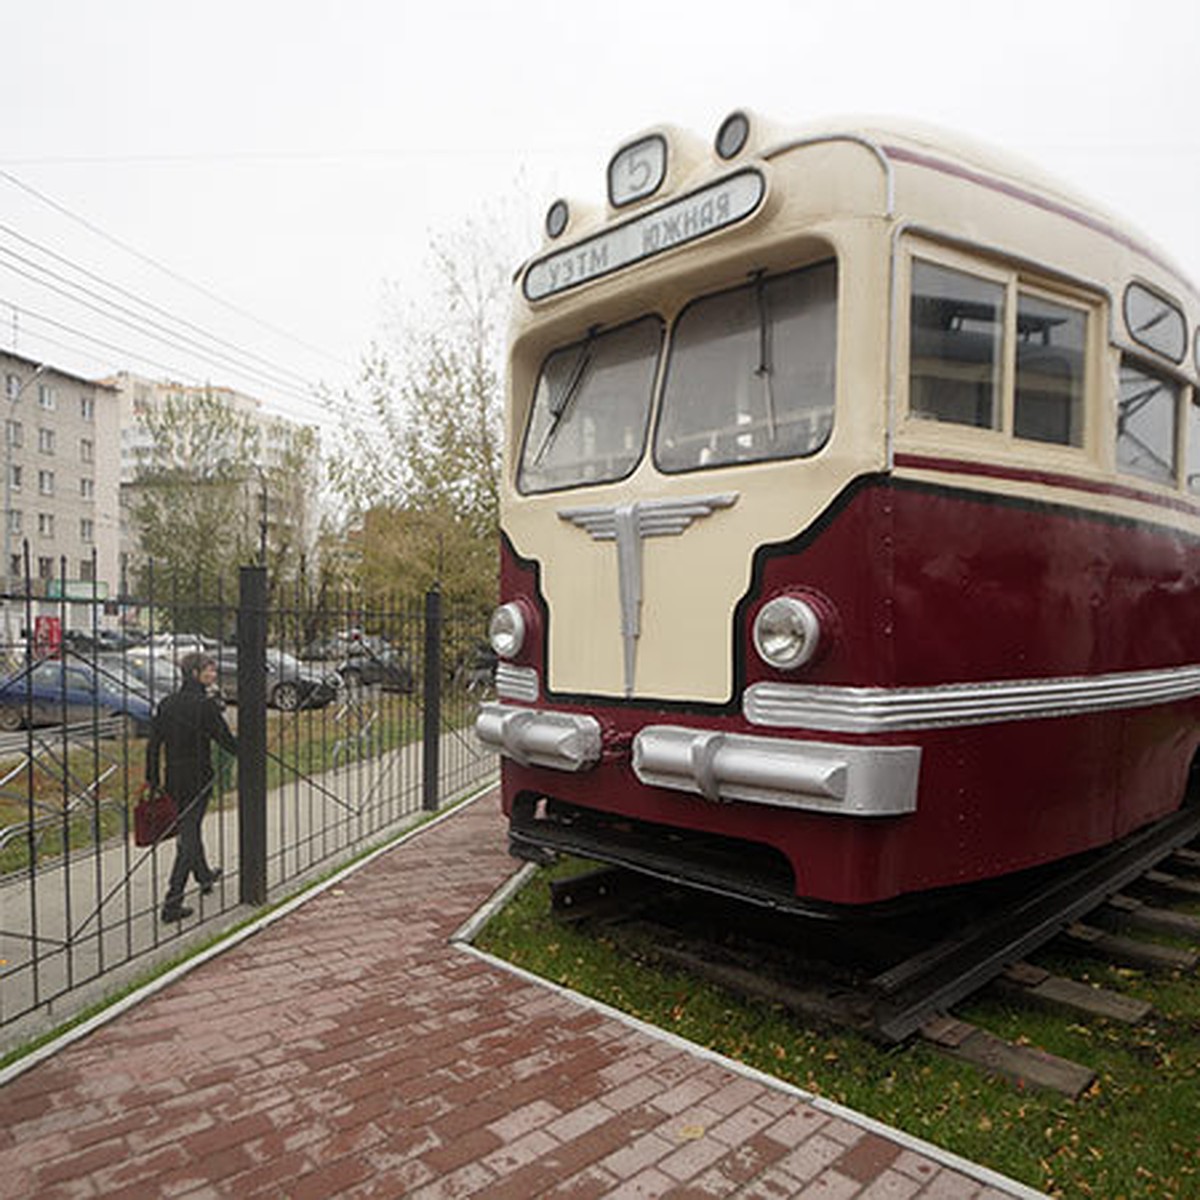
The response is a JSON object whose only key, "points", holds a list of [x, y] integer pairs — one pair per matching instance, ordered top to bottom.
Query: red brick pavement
{"points": [[349, 1049]]}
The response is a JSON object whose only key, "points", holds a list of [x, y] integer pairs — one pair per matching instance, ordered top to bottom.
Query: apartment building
{"points": [[61, 482], [278, 502]]}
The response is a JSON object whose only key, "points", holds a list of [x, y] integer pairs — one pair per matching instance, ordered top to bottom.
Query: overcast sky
{"points": [[284, 159]]}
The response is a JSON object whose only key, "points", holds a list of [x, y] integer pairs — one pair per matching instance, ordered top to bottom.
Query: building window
{"points": [[12, 386], [47, 397], [87, 408], [14, 433], [46, 441], [87, 450], [14, 476], [46, 483], [87, 488], [15, 520], [46, 525], [87, 530], [16, 565], [45, 566], [86, 572]]}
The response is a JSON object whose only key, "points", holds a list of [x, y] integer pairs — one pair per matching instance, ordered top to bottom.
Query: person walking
{"points": [[186, 724]]}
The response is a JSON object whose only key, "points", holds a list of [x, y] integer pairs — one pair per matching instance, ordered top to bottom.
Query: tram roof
{"points": [[903, 142]]}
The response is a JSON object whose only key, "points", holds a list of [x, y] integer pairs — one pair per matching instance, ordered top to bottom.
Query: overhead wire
{"points": [[74, 266], [168, 271], [142, 325], [170, 370], [310, 400]]}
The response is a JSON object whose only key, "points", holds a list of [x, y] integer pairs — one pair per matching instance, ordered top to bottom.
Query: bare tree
{"points": [[423, 478]]}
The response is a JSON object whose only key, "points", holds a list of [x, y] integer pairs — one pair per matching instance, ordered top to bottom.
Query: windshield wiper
{"points": [[766, 368], [558, 406]]}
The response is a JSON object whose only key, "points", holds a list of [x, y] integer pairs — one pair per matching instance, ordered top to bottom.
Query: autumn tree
{"points": [[421, 474]]}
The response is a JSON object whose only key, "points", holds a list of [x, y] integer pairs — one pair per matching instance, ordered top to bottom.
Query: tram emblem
{"points": [[628, 525]]}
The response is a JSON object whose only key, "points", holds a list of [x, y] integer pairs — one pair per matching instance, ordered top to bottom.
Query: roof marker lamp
{"points": [[733, 135], [557, 216], [507, 629], [787, 632]]}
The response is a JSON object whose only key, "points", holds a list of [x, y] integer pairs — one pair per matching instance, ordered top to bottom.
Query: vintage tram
{"points": [[851, 519]]}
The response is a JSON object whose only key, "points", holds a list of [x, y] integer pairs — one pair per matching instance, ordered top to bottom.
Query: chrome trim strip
{"points": [[517, 683], [898, 710], [532, 737], [861, 781]]}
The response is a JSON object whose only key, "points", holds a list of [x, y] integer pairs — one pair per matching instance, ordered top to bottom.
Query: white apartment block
{"points": [[137, 394], [61, 483]]}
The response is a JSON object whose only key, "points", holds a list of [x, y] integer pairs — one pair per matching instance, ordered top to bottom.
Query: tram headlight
{"points": [[506, 630], [787, 632]]}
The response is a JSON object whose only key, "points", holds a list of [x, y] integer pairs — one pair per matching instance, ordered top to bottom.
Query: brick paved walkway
{"points": [[348, 1049]]}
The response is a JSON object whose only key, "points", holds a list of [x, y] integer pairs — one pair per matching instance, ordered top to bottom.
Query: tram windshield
{"points": [[751, 373], [591, 409]]}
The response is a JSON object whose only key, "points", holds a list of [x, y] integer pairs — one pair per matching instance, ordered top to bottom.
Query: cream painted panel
{"points": [[691, 583]]}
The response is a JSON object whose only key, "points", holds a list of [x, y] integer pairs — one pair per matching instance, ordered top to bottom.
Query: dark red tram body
{"points": [[1007, 648]]}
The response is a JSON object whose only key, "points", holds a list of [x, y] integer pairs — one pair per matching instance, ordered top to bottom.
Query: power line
{"points": [[169, 272], [138, 300], [140, 324], [124, 351]]}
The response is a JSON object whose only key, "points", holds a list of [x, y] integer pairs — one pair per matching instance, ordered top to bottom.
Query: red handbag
{"points": [[154, 817]]}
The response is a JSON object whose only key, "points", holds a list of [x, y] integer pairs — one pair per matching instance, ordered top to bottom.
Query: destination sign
{"points": [[714, 207]]}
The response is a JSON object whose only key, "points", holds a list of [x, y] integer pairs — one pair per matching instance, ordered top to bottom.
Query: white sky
{"points": [[291, 156]]}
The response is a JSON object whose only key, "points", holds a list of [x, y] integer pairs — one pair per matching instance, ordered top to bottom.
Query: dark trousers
{"points": [[189, 850]]}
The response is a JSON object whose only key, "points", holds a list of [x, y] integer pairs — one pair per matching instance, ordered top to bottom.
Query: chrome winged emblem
{"points": [[628, 525]]}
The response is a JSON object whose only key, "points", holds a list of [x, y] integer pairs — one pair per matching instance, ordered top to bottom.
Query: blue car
{"points": [[51, 691]]}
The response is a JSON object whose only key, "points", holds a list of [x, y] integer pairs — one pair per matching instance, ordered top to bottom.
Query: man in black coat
{"points": [[186, 724]]}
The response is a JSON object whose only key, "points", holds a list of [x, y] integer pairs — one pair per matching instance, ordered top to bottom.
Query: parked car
{"points": [[98, 641], [176, 645], [363, 659], [387, 668], [154, 677], [290, 683], [52, 690]]}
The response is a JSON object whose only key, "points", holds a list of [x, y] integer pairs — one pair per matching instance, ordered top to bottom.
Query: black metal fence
{"points": [[351, 719]]}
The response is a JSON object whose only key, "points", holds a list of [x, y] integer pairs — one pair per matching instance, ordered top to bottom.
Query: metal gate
{"points": [[352, 721]]}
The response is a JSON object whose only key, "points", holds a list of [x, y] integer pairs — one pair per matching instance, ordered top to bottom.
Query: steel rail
{"points": [[911, 992]]}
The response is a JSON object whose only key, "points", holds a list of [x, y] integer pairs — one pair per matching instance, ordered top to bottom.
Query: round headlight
{"points": [[506, 630], [787, 632]]}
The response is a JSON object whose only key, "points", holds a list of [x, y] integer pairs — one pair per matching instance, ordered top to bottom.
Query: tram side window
{"points": [[1051, 338], [955, 349], [751, 374], [591, 409], [1146, 414], [1193, 443]]}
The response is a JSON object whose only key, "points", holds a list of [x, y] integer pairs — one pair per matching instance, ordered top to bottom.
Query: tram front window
{"points": [[751, 374], [591, 409]]}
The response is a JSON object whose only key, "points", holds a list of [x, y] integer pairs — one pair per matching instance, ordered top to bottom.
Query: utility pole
{"points": [[8, 509]]}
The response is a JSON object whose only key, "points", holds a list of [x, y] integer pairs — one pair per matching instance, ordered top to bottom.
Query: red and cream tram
{"points": [[851, 519]]}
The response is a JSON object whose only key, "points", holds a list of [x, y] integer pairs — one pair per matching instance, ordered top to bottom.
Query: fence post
{"points": [[433, 699], [252, 734]]}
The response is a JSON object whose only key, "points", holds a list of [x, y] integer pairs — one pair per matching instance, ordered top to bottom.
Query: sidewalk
{"points": [[351, 1049]]}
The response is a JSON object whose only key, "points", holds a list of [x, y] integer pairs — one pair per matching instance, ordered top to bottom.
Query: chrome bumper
{"points": [[532, 737], [861, 781]]}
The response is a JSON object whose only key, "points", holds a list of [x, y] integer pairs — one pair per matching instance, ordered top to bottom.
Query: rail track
{"points": [[894, 977]]}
